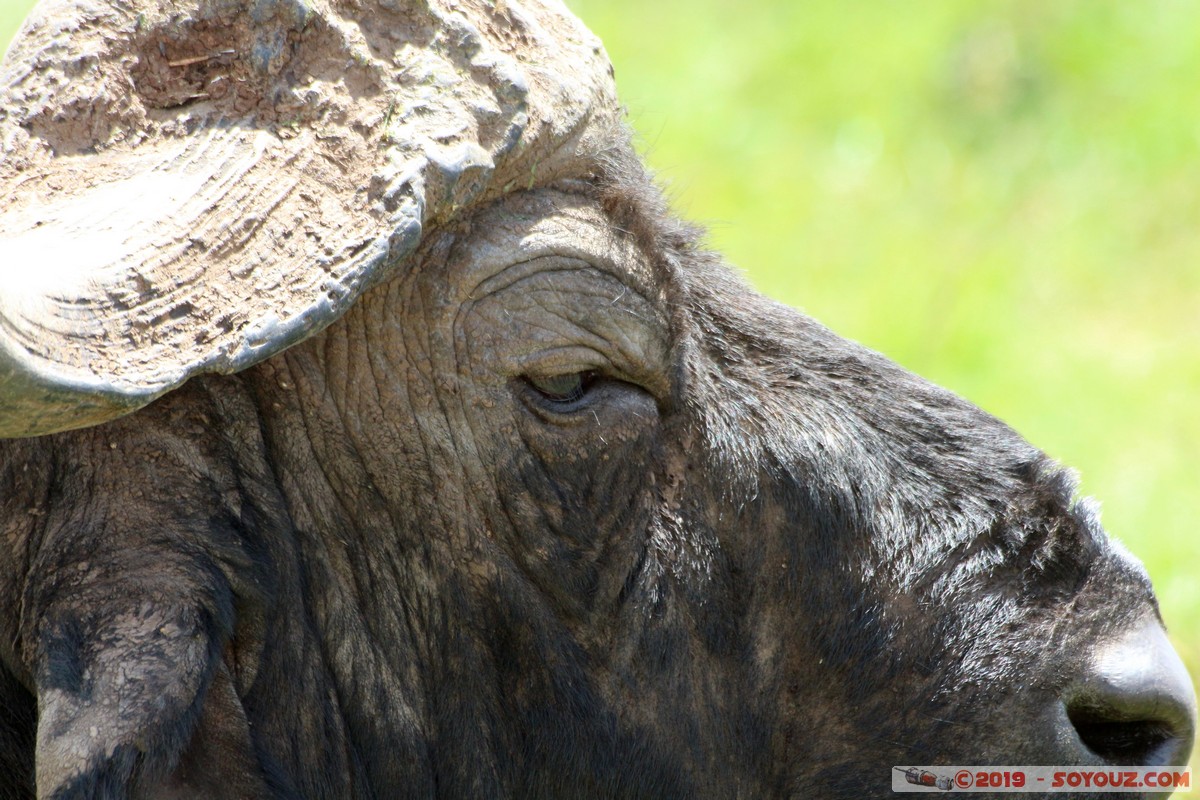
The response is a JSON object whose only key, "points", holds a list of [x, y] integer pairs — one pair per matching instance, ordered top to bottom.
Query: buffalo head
{"points": [[375, 431]]}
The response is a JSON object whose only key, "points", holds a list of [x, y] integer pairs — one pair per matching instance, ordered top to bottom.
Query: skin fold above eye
{"points": [[562, 328]]}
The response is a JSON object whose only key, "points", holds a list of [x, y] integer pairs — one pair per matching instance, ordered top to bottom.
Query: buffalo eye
{"points": [[563, 390]]}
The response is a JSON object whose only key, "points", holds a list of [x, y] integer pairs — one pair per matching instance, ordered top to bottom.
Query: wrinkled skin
{"points": [[418, 555]]}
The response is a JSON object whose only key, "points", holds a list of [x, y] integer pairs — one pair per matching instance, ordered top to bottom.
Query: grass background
{"points": [[1002, 196]]}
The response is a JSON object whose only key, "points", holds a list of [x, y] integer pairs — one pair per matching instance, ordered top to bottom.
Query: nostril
{"points": [[1135, 705], [1127, 742]]}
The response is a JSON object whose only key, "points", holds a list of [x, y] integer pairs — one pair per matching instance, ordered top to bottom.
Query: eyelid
{"points": [[564, 361], [578, 384]]}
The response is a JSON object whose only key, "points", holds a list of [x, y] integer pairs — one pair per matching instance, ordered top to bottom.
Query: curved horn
{"points": [[194, 187]]}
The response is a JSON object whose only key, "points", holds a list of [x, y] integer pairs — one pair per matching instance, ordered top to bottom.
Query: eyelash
{"points": [[573, 394]]}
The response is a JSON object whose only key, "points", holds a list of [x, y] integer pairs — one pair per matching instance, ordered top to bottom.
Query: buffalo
{"points": [[373, 430]]}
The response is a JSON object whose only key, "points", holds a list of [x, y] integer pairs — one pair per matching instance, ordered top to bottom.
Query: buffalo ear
{"points": [[193, 187], [121, 687], [182, 734]]}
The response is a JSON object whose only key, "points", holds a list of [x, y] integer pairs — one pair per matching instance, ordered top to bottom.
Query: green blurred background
{"points": [[1002, 196]]}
